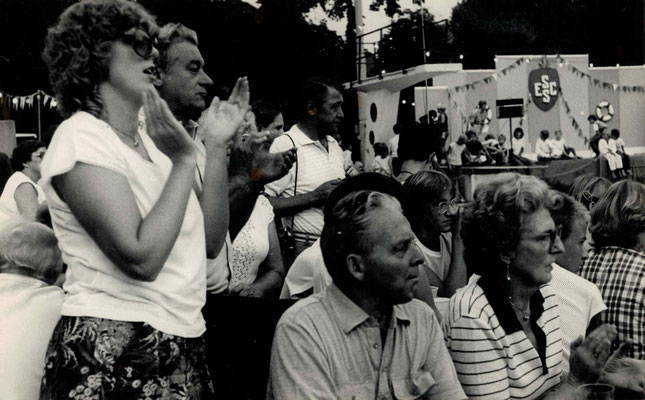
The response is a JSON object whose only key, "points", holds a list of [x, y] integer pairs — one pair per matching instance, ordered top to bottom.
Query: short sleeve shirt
{"points": [[315, 165], [95, 286], [327, 347]]}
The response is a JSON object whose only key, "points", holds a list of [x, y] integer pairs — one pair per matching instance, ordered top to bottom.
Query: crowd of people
{"points": [[150, 206]]}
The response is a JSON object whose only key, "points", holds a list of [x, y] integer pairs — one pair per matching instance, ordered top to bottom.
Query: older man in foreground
{"points": [[364, 337]]}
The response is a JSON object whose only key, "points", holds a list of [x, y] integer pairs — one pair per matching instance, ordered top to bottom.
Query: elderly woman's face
{"points": [[537, 249], [575, 251]]}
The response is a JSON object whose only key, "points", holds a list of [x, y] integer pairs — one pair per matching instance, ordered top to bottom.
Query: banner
{"points": [[20, 102]]}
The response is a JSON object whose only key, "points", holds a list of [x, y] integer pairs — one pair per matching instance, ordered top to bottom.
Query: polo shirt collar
{"points": [[301, 139], [503, 309], [349, 315]]}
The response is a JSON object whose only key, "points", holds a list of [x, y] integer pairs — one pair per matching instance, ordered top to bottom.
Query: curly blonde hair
{"points": [[78, 48]]}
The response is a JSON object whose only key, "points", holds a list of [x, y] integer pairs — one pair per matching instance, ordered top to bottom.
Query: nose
{"points": [[155, 53], [205, 80], [341, 114], [558, 246], [416, 258]]}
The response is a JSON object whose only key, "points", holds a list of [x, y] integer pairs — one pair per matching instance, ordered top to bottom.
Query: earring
{"points": [[508, 272]]}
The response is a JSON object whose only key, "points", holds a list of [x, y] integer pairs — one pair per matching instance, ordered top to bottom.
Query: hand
{"points": [[219, 123], [166, 132], [250, 157], [323, 191], [245, 290], [588, 357], [624, 373]]}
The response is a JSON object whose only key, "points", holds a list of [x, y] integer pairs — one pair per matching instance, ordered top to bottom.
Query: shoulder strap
{"points": [[295, 181]]}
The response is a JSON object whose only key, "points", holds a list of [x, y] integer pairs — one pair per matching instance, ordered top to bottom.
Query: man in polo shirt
{"points": [[319, 164], [364, 337]]}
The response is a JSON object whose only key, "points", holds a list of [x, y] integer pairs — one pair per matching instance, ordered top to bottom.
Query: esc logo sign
{"points": [[544, 86]]}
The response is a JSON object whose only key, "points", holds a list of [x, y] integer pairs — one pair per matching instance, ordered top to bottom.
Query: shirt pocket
{"points": [[412, 387]]}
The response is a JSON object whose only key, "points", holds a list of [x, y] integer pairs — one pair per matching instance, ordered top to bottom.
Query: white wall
{"points": [[387, 106]]}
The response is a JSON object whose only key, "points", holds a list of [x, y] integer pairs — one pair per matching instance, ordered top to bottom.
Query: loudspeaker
{"points": [[510, 108]]}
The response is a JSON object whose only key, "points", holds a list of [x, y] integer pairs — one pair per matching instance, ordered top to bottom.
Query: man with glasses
{"points": [[434, 215], [365, 337]]}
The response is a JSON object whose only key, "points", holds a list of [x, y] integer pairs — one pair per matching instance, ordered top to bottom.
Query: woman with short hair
{"points": [[22, 196], [617, 262], [503, 329]]}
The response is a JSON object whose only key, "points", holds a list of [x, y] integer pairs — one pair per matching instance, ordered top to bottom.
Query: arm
{"points": [[218, 124], [27, 200], [295, 204], [457, 276]]}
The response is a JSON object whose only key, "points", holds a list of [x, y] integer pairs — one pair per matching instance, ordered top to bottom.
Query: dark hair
{"points": [[170, 34], [78, 49], [313, 90], [481, 103], [265, 112], [592, 117], [518, 130], [615, 132], [470, 134], [544, 134], [489, 136], [414, 143], [381, 149], [22, 153], [366, 181], [422, 188], [582, 189], [566, 213], [619, 216], [492, 223], [344, 230]]}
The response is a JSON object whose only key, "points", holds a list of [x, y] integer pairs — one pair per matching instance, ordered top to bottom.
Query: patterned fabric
{"points": [[251, 246], [619, 273], [493, 356], [94, 358]]}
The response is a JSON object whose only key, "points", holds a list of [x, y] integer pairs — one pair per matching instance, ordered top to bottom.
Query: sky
{"points": [[441, 9]]}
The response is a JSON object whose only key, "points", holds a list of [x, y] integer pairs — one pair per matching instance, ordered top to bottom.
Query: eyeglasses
{"points": [[141, 42], [588, 199], [444, 206], [551, 235]]}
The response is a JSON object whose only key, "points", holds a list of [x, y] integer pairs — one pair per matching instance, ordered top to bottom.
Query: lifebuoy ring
{"points": [[604, 111]]}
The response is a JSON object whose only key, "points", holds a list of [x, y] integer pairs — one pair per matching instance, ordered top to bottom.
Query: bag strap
{"points": [[295, 184]]}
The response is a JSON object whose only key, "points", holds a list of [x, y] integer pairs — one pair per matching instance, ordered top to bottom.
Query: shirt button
{"points": [[375, 345]]}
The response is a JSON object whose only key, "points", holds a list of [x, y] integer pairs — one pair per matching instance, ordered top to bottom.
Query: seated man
{"points": [[364, 337]]}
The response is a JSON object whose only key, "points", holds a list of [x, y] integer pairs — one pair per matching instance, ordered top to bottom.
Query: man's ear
{"points": [[311, 108], [356, 266]]}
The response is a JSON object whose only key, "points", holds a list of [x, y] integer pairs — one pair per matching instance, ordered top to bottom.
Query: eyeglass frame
{"points": [[138, 35], [589, 199], [443, 207], [553, 233]]}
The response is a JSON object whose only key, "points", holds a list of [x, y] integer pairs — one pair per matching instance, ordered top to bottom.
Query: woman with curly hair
{"points": [[21, 196], [128, 222], [617, 262], [503, 328]]}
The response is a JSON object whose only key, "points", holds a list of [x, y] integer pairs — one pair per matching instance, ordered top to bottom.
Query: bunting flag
{"points": [[597, 82], [20, 102], [572, 119]]}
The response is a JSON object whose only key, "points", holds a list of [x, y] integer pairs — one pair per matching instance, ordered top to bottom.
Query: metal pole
{"points": [[423, 44], [39, 126]]}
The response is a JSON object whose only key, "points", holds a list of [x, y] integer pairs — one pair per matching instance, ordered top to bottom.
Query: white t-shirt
{"points": [[393, 145], [518, 145], [558, 147], [544, 148], [454, 153], [382, 165], [8, 207], [251, 245], [438, 261], [307, 271], [96, 287], [579, 301], [29, 312]]}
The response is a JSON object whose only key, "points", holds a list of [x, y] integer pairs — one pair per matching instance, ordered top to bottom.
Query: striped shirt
{"points": [[316, 165], [619, 273], [493, 356]]}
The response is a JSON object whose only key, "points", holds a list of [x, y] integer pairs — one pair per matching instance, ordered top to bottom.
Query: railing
{"points": [[401, 45]]}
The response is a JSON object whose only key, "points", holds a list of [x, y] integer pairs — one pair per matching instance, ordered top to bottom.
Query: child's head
{"points": [[592, 118], [605, 132], [518, 133], [615, 133], [544, 134], [558, 134], [471, 135], [489, 136], [501, 138], [461, 140], [380, 149]]}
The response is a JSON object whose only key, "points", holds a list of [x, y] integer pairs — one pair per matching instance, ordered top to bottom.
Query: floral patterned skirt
{"points": [[95, 358]]}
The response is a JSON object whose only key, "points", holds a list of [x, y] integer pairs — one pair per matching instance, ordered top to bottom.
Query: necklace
{"points": [[122, 134], [526, 315]]}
